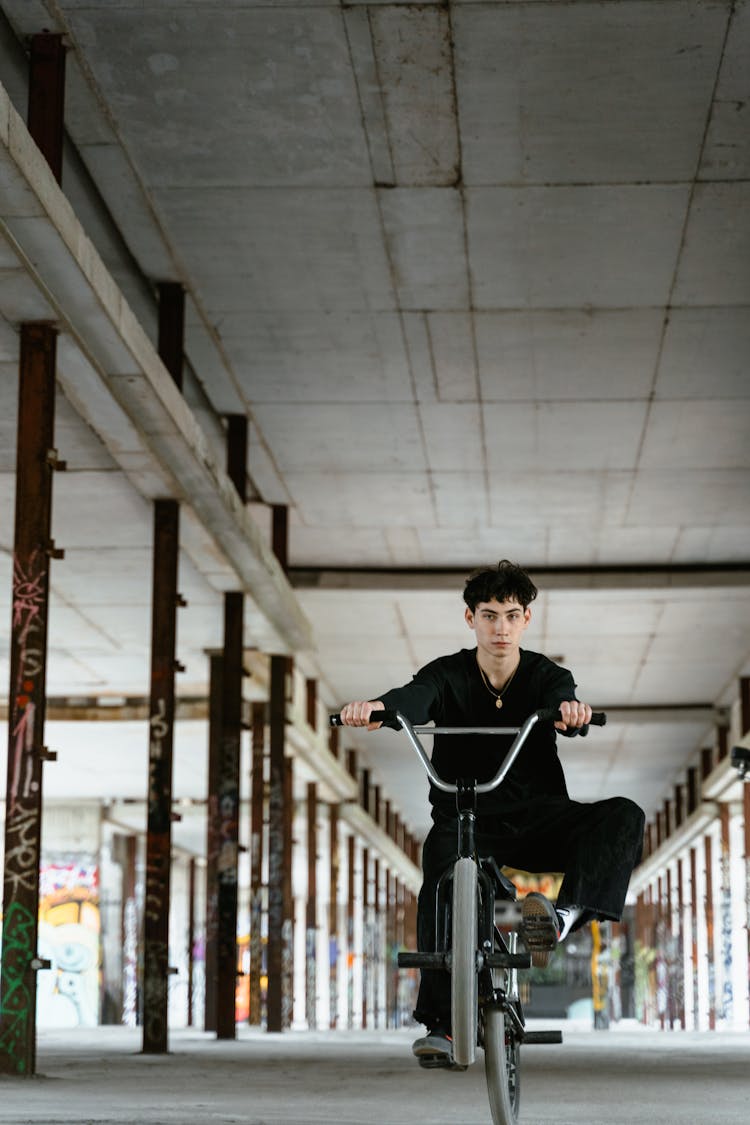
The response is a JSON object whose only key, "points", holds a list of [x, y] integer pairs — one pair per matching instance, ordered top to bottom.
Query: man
{"points": [[529, 822]]}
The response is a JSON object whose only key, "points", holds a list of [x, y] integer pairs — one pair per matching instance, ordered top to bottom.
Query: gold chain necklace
{"points": [[497, 695]]}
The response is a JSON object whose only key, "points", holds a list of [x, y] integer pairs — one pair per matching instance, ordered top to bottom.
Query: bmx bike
{"points": [[477, 929]]}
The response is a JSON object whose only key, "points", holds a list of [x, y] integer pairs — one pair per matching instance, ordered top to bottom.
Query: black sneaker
{"points": [[540, 928], [435, 1049]]}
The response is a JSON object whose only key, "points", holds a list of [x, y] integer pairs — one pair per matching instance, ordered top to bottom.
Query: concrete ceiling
{"points": [[479, 275]]}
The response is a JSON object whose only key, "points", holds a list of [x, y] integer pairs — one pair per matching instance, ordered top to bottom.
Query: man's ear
{"points": [[527, 615], [469, 617]]}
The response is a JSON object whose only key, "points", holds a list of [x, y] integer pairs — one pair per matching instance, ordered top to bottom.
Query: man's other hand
{"points": [[358, 714], [574, 715]]}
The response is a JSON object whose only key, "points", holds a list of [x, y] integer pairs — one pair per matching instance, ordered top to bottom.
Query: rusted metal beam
{"points": [[46, 99], [172, 328], [237, 453], [280, 534], [26, 705], [161, 739], [229, 764], [257, 807], [229, 813], [213, 840], [279, 842], [351, 846], [311, 915], [333, 918], [191, 939]]}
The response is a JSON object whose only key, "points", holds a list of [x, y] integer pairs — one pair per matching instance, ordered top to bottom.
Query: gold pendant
{"points": [[498, 703]]}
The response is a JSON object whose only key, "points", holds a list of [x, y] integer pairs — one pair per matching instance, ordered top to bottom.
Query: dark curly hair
{"points": [[504, 582]]}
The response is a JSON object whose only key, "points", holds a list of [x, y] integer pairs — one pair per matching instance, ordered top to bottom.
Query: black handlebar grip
{"points": [[551, 714], [387, 718]]}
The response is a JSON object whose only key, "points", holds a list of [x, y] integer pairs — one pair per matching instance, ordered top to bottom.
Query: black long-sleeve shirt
{"points": [[450, 691]]}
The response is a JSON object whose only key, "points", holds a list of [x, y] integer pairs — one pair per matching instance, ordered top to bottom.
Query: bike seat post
{"points": [[466, 805]]}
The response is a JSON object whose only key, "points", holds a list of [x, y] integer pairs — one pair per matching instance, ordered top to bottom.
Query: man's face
{"points": [[498, 626]]}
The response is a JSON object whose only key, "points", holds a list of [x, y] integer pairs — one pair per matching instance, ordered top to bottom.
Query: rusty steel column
{"points": [[46, 99], [172, 327], [35, 461], [165, 600], [216, 661], [161, 738], [228, 783], [257, 806], [229, 807], [279, 839], [746, 842], [350, 907], [311, 917], [333, 917], [710, 930], [366, 935], [191, 939], [377, 942], [695, 999], [726, 1004]]}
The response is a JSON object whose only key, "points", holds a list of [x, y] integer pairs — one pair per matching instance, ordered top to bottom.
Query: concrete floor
{"points": [[627, 1074]]}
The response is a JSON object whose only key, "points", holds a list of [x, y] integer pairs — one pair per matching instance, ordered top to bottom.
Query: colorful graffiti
{"points": [[23, 814], [69, 937]]}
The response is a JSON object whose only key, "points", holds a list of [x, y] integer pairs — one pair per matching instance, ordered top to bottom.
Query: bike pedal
{"points": [[532, 1037], [435, 1062]]}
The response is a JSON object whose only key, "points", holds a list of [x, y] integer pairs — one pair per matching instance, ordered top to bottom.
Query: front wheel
{"points": [[464, 1000], [502, 1065]]}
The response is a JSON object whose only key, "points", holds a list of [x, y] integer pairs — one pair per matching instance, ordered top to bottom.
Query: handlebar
{"points": [[397, 721]]}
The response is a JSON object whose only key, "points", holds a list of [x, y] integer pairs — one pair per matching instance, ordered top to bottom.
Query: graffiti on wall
{"points": [[69, 937]]}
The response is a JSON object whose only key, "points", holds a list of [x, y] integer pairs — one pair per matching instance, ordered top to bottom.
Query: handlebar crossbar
{"points": [[398, 721]]}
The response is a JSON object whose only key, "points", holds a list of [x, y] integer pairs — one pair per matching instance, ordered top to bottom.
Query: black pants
{"points": [[595, 845]]}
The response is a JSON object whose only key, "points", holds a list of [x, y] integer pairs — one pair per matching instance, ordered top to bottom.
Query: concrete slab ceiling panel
{"points": [[413, 51], [641, 121], [237, 133], [726, 154], [424, 229], [558, 247], [292, 249], [714, 264], [309, 354], [570, 354], [705, 354], [696, 435], [377, 438]]}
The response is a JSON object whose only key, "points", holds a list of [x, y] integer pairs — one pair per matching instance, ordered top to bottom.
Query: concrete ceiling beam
{"points": [[114, 377], [398, 579]]}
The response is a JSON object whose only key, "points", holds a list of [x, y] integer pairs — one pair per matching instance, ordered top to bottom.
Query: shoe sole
{"points": [[539, 932], [435, 1062]]}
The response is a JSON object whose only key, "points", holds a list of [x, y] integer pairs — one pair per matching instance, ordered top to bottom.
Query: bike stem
{"points": [[466, 805]]}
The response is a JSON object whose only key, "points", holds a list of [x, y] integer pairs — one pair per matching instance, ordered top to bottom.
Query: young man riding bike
{"points": [[529, 823]]}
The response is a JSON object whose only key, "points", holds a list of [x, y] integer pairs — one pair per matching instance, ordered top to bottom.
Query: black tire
{"points": [[464, 981], [502, 1066]]}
